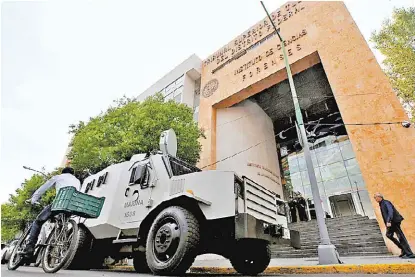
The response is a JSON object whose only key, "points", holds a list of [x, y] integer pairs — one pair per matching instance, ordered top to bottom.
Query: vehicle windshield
{"points": [[180, 167]]}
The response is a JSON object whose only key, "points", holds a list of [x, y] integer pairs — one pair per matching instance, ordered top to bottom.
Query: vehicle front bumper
{"points": [[247, 226]]}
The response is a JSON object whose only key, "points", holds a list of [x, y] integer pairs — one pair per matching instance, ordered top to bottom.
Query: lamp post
{"points": [[37, 171], [327, 253]]}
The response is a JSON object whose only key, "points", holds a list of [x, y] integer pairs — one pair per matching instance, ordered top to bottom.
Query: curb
{"points": [[121, 267], [314, 269]]}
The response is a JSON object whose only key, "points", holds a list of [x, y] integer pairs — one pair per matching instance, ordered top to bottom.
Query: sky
{"points": [[65, 61]]}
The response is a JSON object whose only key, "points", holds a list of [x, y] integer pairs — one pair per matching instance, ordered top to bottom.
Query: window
{"points": [[180, 81], [170, 88], [178, 91], [178, 98], [196, 116], [347, 151], [293, 164]]}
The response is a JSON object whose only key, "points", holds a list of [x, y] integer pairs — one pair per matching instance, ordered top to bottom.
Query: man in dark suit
{"points": [[302, 209], [293, 210], [393, 219]]}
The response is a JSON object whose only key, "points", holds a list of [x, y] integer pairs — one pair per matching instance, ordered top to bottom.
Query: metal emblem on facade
{"points": [[210, 88]]}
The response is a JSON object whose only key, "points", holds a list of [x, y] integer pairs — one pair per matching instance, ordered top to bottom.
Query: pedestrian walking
{"points": [[301, 206], [293, 210], [393, 220]]}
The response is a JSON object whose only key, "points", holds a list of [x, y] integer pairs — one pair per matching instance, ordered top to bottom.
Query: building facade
{"points": [[182, 84], [351, 114]]}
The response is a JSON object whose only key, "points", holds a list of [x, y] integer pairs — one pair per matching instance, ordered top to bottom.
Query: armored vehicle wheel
{"points": [[172, 242], [251, 257], [80, 258], [140, 263]]}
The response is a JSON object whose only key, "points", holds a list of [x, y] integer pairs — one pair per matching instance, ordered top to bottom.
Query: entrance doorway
{"points": [[340, 181], [342, 205]]}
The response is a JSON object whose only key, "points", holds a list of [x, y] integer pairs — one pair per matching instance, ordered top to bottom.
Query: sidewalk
{"points": [[214, 264], [374, 264]]}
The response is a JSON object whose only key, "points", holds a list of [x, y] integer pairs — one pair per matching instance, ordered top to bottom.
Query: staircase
{"points": [[352, 235]]}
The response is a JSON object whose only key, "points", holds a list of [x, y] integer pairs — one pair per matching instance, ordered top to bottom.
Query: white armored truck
{"points": [[163, 212]]}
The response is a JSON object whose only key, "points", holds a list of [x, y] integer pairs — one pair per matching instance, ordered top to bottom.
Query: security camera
{"points": [[406, 124]]}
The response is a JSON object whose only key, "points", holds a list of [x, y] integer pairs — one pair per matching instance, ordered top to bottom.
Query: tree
{"points": [[396, 41], [132, 127], [15, 214]]}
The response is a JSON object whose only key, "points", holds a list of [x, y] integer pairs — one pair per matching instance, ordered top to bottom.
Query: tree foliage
{"points": [[396, 41], [132, 127], [15, 214]]}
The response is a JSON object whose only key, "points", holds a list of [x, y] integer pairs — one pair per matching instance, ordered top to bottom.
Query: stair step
{"points": [[340, 218], [337, 219], [314, 222], [312, 226], [340, 227], [345, 230], [365, 233], [337, 236], [352, 236], [342, 242], [314, 245], [341, 248], [374, 248]]}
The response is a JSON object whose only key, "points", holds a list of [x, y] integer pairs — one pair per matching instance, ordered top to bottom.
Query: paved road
{"points": [[38, 272]]}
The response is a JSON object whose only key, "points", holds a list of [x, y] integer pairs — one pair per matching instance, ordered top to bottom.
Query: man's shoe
{"points": [[28, 251], [402, 254], [411, 256]]}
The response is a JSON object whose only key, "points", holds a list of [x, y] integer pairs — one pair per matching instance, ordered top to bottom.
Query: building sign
{"points": [[254, 35], [269, 59], [210, 88], [268, 177], [272, 178]]}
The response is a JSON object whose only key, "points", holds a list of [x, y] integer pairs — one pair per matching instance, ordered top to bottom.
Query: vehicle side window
{"points": [[140, 175]]}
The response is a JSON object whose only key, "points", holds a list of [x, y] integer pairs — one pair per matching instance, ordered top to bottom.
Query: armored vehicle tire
{"points": [[172, 242], [80, 255], [251, 257], [140, 263]]}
